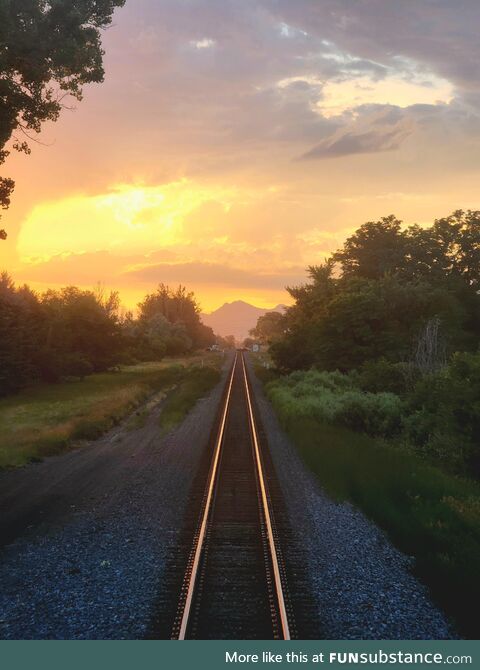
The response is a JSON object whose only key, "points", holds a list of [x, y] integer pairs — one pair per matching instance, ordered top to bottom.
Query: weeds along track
{"points": [[234, 586]]}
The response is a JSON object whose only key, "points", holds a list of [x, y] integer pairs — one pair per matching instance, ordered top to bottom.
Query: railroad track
{"points": [[234, 586]]}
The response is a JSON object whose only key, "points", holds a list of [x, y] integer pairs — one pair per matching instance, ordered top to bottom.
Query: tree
{"points": [[49, 49], [458, 238], [375, 249], [447, 251], [407, 295], [175, 305], [180, 309], [371, 319], [81, 324], [269, 327], [21, 331], [230, 341], [227, 342], [248, 343], [430, 354]]}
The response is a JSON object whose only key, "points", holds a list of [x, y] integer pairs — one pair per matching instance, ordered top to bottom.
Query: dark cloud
{"points": [[438, 34], [226, 92], [212, 108], [375, 128], [349, 143], [87, 268], [196, 273]]}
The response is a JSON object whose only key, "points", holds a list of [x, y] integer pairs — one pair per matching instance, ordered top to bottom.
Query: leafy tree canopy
{"points": [[49, 49], [450, 249], [375, 297], [178, 307], [269, 327], [71, 332]]}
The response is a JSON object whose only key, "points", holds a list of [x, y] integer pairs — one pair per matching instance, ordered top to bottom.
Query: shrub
{"points": [[76, 365], [382, 375], [331, 397], [447, 403]]}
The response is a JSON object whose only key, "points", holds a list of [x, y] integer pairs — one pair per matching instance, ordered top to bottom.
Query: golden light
{"points": [[340, 96], [128, 218]]}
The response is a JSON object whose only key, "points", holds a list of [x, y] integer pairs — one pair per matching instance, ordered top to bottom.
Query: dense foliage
{"points": [[48, 49], [402, 294], [169, 322], [269, 328], [72, 332], [384, 339], [377, 382], [331, 397], [437, 415]]}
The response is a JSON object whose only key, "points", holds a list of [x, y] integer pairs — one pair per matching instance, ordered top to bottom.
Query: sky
{"points": [[235, 142]]}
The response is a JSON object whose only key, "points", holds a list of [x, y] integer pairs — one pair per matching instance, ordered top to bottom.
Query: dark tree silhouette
{"points": [[48, 50]]}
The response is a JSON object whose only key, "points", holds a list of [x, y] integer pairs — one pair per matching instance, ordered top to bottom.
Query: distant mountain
{"points": [[236, 318]]}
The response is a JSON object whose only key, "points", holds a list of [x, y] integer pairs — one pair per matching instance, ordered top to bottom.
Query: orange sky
{"points": [[232, 144]]}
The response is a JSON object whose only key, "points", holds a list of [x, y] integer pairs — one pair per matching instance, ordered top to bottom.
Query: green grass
{"points": [[196, 383], [47, 419], [428, 513]]}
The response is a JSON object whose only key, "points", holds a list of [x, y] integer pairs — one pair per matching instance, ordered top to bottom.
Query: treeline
{"points": [[389, 293], [396, 312], [72, 332]]}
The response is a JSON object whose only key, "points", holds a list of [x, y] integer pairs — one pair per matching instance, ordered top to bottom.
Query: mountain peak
{"points": [[234, 303], [236, 318]]}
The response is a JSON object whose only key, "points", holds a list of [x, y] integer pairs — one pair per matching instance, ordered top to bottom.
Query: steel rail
{"points": [[266, 510], [203, 528], [202, 533]]}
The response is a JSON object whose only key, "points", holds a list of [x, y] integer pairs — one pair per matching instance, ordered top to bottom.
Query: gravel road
{"points": [[87, 537]]}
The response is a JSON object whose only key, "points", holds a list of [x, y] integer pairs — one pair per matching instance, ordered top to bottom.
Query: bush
{"points": [[76, 365], [382, 375], [331, 397], [444, 408], [372, 413], [438, 415]]}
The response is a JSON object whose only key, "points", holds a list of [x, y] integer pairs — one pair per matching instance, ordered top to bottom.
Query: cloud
{"points": [[440, 36], [205, 43], [231, 81], [213, 86], [205, 107], [373, 129], [350, 142], [127, 217], [88, 269], [197, 273]]}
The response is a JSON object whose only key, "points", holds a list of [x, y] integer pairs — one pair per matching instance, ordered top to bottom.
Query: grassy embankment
{"points": [[194, 385], [47, 419], [428, 513]]}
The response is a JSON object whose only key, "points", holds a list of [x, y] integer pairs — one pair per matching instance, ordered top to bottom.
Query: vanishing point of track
{"points": [[235, 585]]}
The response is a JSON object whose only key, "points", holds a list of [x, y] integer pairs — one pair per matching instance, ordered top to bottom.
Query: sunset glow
{"points": [[232, 145], [128, 217]]}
